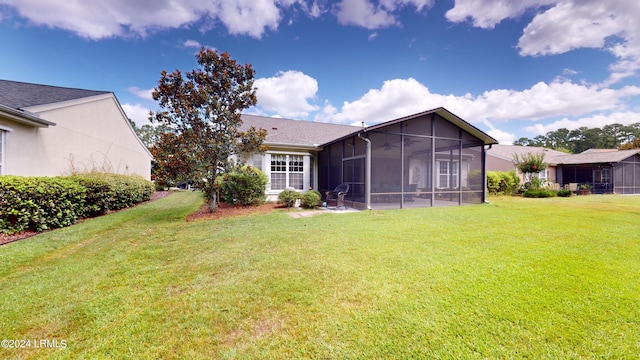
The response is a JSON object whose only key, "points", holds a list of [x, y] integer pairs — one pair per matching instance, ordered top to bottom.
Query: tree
{"points": [[203, 109], [531, 164]]}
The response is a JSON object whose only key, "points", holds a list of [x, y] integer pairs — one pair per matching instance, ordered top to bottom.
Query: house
{"points": [[49, 131], [431, 158], [501, 158], [604, 170]]}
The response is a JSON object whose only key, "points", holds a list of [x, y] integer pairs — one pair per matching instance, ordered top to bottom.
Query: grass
{"points": [[516, 278]]}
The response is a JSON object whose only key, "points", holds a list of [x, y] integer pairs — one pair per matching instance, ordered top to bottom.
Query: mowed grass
{"points": [[516, 278]]}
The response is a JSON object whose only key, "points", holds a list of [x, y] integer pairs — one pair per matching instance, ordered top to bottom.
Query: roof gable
{"points": [[19, 95]]}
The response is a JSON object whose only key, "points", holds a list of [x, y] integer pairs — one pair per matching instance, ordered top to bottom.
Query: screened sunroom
{"points": [[429, 159]]}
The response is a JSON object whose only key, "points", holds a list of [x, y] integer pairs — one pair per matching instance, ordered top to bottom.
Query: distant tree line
{"points": [[576, 141]]}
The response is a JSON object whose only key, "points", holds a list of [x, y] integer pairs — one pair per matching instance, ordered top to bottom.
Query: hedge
{"points": [[112, 191], [41, 203]]}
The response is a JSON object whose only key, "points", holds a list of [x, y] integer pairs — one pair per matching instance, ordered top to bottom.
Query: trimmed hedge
{"points": [[112, 191], [540, 193], [41, 203]]}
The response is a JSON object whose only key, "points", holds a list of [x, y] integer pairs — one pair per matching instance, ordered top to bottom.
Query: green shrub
{"points": [[502, 183], [243, 185], [107, 191], [99, 193], [540, 193], [565, 193], [288, 197], [310, 199], [39, 203]]}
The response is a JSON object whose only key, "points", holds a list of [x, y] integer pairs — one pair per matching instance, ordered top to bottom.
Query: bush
{"points": [[502, 183], [243, 185], [107, 191], [533, 193], [565, 193], [98, 197], [288, 197], [310, 199], [39, 203]]}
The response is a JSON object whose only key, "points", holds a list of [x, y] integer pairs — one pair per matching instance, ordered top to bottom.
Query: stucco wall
{"points": [[90, 134]]}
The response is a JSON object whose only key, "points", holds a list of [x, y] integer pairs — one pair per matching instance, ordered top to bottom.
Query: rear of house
{"points": [[432, 158]]}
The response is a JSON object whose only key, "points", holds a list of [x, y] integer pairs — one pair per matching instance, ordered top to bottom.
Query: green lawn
{"points": [[516, 278]]}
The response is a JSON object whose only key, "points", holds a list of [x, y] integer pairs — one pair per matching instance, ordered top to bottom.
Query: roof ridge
{"points": [[52, 86]]}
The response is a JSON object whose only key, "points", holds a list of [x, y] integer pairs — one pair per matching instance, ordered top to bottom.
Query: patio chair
{"points": [[337, 195]]}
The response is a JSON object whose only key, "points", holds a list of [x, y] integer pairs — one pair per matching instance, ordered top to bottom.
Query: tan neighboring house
{"points": [[50, 131], [501, 158], [604, 171]]}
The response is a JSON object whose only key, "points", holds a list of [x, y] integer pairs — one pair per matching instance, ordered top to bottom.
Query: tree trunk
{"points": [[213, 202]]}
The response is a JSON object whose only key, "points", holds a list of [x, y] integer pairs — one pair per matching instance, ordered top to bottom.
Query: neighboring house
{"points": [[50, 131], [501, 158], [428, 159], [605, 170]]}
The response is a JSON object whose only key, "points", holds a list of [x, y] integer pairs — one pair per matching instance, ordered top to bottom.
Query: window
{"points": [[2, 142], [287, 171], [447, 174]]}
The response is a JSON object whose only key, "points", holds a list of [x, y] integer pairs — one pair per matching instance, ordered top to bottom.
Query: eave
{"points": [[23, 117]]}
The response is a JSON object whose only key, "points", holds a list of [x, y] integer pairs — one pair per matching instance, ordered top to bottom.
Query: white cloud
{"points": [[363, 13], [236, 14], [366, 14], [487, 14], [98, 20], [560, 26], [192, 44], [141, 93], [287, 93], [401, 97], [138, 113], [503, 137]]}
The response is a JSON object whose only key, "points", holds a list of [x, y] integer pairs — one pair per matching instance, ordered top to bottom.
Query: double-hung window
{"points": [[287, 171], [447, 174]]}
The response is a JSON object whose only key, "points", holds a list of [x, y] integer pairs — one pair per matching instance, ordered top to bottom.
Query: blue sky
{"points": [[512, 68]]}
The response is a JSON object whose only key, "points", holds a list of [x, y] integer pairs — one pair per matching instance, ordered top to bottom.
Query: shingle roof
{"points": [[19, 95], [296, 132], [506, 152], [554, 157], [597, 157]]}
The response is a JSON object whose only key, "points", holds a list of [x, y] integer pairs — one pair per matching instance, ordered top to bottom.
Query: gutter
{"points": [[24, 117], [367, 174], [484, 175]]}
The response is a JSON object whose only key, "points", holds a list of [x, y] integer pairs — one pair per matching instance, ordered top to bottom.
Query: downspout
{"points": [[367, 172], [484, 174]]}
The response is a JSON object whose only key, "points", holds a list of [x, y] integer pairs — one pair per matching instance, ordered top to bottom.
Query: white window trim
{"points": [[3, 148], [450, 165], [306, 171]]}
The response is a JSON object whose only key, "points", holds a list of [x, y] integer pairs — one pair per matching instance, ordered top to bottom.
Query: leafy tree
{"points": [[203, 108], [581, 139], [635, 144], [531, 164]]}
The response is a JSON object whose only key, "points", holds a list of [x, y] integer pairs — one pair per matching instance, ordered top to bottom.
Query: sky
{"points": [[511, 68]]}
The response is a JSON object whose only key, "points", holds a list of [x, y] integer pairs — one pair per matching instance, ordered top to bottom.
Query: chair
{"points": [[410, 191], [337, 195]]}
